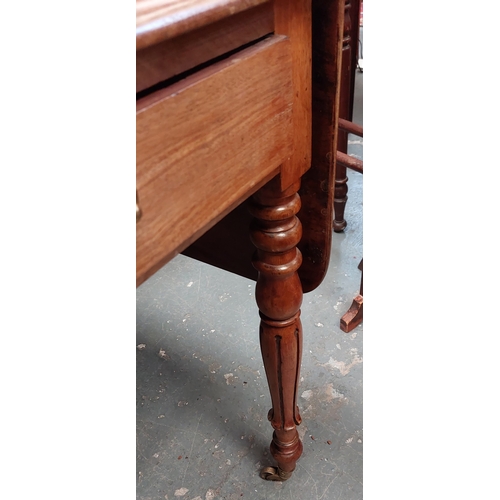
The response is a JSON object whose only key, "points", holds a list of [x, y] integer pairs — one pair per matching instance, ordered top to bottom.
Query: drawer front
{"points": [[206, 143]]}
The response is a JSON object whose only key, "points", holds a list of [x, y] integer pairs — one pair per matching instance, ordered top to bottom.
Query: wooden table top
{"points": [[158, 20]]}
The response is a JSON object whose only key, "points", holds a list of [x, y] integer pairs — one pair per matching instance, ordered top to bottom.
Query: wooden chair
{"points": [[346, 104], [354, 316]]}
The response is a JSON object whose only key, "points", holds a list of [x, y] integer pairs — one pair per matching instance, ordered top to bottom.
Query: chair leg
{"points": [[340, 198], [354, 316]]}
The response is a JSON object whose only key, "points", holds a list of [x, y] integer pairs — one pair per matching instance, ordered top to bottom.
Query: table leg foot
{"points": [[274, 474]]}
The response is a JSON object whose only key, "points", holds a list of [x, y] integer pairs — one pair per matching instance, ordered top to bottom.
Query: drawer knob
{"points": [[138, 211]]}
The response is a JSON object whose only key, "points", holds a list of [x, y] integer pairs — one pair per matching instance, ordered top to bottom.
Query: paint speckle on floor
{"points": [[163, 354], [344, 368], [307, 394], [181, 492]]}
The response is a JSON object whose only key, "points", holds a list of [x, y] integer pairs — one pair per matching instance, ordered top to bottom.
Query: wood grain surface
{"points": [[293, 19], [158, 20], [174, 56], [346, 103], [206, 143], [316, 190], [275, 232], [225, 245]]}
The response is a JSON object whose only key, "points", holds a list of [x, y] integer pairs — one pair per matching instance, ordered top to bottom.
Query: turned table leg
{"points": [[275, 232]]}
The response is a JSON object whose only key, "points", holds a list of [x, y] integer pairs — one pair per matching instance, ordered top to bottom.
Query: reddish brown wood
{"points": [[293, 19], [158, 20], [354, 33], [349, 52], [174, 56], [350, 127], [198, 157], [349, 162], [189, 174], [317, 183], [275, 232], [225, 245], [354, 316]]}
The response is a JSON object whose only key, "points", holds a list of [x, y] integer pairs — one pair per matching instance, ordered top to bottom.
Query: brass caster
{"points": [[339, 226], [274, 474]]}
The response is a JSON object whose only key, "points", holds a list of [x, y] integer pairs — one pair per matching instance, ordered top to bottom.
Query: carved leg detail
{"points": [[276, 232]]}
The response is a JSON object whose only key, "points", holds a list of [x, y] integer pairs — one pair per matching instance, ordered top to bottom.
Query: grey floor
{"points": [[202, 396]]}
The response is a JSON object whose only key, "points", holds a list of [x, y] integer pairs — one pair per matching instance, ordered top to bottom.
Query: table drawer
{"points": [[205, 143]]}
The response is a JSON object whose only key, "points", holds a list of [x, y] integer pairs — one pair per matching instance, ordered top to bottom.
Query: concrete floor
{"points": [[202, 395]]}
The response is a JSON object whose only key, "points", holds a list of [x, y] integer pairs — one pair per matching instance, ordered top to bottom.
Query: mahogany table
{"points": [[236, 138]]}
